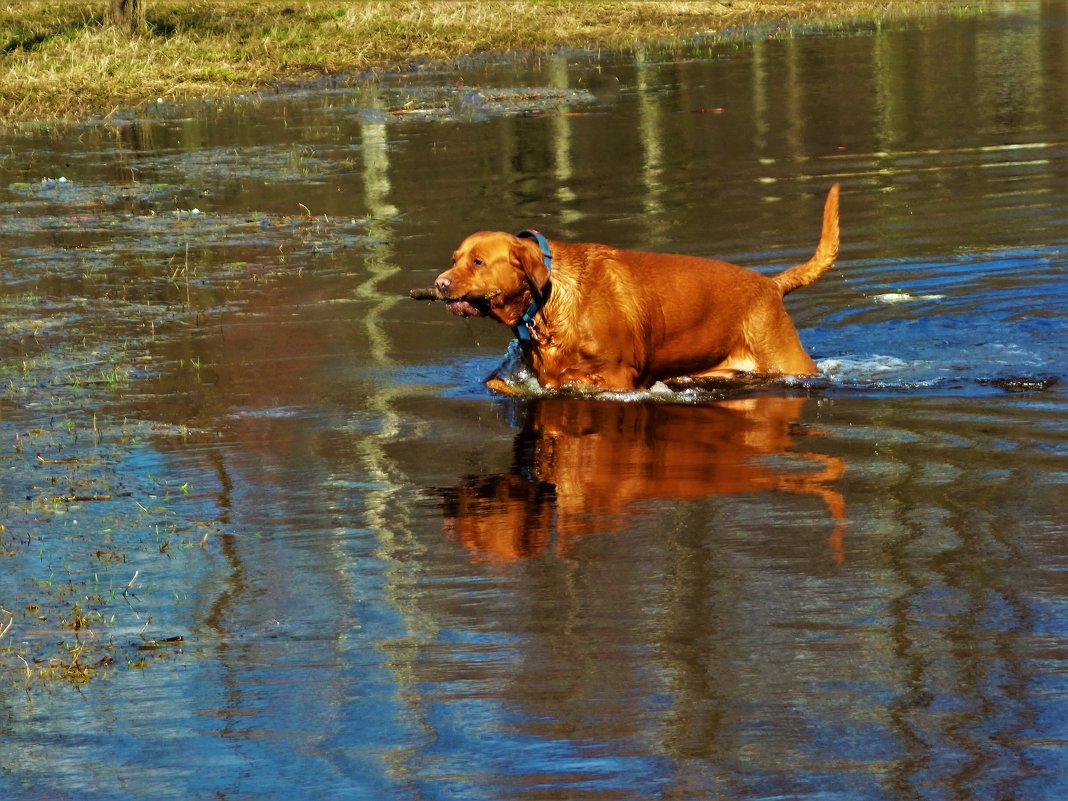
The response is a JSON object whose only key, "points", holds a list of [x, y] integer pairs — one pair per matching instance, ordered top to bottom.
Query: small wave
{"points": [[903, 297], [860, 369]]}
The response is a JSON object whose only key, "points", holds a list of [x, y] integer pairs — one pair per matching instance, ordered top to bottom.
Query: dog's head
{"points": [[493, 274], [500, 518]]}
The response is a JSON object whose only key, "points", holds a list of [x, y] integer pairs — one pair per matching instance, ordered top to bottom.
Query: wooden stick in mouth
{"points": [[430, 293]]}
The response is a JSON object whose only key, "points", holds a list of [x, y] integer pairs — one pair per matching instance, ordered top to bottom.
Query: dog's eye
{"points": [[478, 262]]}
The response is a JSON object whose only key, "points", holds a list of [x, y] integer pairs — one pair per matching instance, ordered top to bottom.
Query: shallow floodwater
{"points": [[225, 421]]}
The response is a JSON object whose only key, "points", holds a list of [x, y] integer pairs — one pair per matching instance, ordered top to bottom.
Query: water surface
{"points": [[231, 425]]}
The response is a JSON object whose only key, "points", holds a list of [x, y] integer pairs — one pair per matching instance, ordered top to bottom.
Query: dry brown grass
{"points": [[62, 62]]}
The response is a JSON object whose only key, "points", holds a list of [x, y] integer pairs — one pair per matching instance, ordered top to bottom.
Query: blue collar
{"points": [[526, 322]]}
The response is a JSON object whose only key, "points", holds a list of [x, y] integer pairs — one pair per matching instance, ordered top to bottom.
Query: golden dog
{"points": [[597, 316]]}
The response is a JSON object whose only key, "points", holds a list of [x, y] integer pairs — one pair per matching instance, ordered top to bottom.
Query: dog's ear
{"points": [[531, 261]]}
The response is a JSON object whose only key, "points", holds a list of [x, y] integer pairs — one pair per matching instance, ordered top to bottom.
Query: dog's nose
{"points": [[443, 284]]}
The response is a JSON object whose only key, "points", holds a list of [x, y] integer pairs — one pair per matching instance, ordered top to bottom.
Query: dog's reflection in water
{"points": [[584, 466]]}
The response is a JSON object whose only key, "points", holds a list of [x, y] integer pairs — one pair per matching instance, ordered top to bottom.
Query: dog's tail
{"points": [[823, 258]]}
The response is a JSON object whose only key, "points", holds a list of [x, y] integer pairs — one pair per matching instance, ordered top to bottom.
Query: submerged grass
{"points": [[61, 61], [78, 529]]}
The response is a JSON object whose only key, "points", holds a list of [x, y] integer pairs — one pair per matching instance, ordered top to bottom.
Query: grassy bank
{"points": [[61, 61]]}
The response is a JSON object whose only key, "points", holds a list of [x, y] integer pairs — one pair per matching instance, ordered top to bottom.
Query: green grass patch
{"points": [[61, 61]]}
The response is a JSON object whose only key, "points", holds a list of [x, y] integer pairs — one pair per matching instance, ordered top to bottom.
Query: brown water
{"points": [[391, 584]]}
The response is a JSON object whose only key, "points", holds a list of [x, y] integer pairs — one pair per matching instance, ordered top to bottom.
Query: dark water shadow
{"points": [[587, 466]]}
